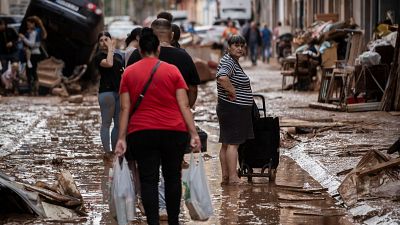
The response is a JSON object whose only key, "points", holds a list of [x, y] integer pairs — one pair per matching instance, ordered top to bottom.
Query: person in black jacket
{"points": [[254, 41], [8, 45], [110, 66]]}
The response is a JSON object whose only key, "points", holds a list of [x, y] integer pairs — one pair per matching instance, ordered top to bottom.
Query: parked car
{"points": [[13, 21], [72, 27]]}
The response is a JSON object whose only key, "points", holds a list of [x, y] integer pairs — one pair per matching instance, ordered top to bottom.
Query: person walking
{"points": [[253, 38], [32, 40], [266, 41], [132, 43], [8, 46], [176, 56], [182, 60], [110, 67], [234, 108], [159, 128]]}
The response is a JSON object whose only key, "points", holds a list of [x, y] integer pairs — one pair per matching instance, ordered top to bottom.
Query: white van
{"points": [[235, 9]]}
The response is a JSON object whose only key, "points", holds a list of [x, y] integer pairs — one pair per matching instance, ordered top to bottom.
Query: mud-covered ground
{"points": [[41, 135]]}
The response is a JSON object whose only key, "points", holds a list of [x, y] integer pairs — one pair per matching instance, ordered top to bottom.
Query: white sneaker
{"points": [[29, 64], [163, 214]]}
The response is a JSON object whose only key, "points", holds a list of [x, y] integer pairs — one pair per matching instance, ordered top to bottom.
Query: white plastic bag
{"points": [[197, 194], [123, 199]]}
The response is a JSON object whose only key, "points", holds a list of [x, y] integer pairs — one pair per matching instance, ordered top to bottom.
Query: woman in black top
{"points": [[110, 66], [235, 100]]}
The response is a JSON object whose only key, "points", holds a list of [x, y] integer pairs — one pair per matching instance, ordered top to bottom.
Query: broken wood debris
{"points": [[285, 122], [379, 167], [344, 172], [383, 179], [308, 191], [54, 196], [296, 198], [59, 201], [320, 213]]}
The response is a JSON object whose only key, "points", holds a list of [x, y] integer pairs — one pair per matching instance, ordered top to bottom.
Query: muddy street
{"points": [[39, 136]]}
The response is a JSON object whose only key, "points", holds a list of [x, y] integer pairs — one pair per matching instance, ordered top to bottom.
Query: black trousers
{"points": [[31, 72], [152, 148]]}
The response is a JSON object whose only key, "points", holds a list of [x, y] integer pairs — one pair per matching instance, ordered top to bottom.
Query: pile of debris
{"points": [[50, 77], [59, 201]]}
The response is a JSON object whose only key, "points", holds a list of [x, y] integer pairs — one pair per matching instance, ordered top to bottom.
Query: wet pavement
{"points": [[42, 135]]}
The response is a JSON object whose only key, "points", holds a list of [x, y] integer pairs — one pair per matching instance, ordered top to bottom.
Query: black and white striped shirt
{"points": [[240, 81]]}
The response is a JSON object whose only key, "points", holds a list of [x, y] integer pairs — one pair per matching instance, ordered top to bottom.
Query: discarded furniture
{"points": [[327, 17], [287, 70], [304, 70], [49, 72], [371, 80], [335, 82]]}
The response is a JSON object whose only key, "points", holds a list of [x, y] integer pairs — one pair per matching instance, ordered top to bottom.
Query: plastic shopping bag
{"points": [[197, 194], [123, 199]]}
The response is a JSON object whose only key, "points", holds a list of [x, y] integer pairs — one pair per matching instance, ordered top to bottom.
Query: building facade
{"points": [[13, 7], [301, 13]]}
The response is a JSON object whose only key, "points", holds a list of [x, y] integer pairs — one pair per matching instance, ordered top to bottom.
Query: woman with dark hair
{"points": [[177, 35], [32, 40], [132, 43], [110, 66], [234, 108], [158, 126]]}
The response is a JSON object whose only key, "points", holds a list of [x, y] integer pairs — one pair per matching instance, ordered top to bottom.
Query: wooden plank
{"points": [[327, 17], [390, 91], [325, 106], [363, 107], [394, 113], [287, 122], [380, 166], [344, 172], [288, 186], [308, 191], [301, 198], [316, 213]]}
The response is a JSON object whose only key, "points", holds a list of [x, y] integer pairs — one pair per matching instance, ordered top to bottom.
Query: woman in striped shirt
{"points": [[235, 100]]}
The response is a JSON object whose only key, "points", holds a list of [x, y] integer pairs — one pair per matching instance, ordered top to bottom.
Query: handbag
{"points": [[146, 86]]}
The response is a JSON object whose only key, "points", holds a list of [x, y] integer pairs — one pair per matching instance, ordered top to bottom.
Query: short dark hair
{"points": [[165, 15], [161, 23], [103, 33], [133, 35], [236, 39], [148, 41]]}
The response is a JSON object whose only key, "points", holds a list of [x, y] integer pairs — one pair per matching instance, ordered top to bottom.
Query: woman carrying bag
{"points": [[158, 128]]}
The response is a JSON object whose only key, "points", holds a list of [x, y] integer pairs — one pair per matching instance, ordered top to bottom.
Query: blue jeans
{"points": [[253, 52], [266, 52], [109, 108]]}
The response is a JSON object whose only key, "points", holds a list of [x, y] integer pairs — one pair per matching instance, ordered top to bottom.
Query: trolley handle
{"points": [[263, 109]]}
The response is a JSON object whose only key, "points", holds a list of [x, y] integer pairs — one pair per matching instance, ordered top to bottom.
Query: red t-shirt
{"points": [[159, 109]]}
